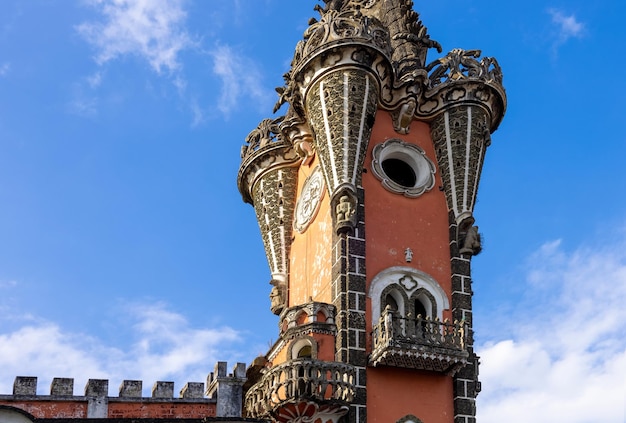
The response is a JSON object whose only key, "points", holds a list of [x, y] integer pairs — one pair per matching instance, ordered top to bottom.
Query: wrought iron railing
{"points": [[301, 379]]}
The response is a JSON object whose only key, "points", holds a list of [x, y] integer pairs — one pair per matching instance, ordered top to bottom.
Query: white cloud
{"points": [[567, 27], [152, 30], [4, 69], [240, 79], [95, 80], [83, 106], [164, 346], [567, 358]]}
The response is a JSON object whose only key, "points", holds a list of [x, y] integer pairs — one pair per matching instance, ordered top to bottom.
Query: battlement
{"points": [[63, 388], [222, 398]]}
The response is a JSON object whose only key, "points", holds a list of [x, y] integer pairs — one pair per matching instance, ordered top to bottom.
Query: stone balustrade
{"points": [[419, 343], [301, 380]]}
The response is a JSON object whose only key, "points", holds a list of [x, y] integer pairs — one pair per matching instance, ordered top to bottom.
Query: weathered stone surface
{"points": [[25, 385], [62, 387], [97, 388], [131, 389], [163, 390]]}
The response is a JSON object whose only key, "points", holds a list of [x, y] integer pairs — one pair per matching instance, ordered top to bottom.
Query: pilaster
{"points": [[349, 295]]}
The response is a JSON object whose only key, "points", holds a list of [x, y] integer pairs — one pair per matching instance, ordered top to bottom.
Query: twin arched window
{"points": [[408, 292]]}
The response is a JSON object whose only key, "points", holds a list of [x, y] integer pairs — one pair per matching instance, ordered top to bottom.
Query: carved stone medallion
{"points": [[309, 201]]}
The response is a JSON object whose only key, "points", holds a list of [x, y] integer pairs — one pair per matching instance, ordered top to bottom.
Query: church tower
{"points": [[364, 193]]}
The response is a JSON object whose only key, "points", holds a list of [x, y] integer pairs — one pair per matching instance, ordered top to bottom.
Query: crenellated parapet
{"points": [[268, 179], [26, 387], [223, 398]]}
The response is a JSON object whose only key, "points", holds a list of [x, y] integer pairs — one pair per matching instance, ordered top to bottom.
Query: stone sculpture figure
{"points": [[471, 244], [277, 302]]}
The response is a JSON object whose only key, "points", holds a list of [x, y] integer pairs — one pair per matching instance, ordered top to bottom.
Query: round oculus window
{"points": [[403, 168]]}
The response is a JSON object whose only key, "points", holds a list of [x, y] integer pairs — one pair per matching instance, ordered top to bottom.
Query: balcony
{"points": [[420, 343], [302, 387]]}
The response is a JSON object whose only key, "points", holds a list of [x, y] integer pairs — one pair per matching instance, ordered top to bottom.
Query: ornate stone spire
{"points": [[335, 84], [466, 102], [268, 179]]}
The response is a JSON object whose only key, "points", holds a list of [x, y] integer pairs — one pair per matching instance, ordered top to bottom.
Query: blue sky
{"points": [[127, 253]]}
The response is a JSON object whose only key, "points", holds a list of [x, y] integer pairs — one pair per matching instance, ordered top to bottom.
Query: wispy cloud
{"points": [[567, 26], [151, 30], [4, 69], [240, 79], [8, 284], [164, 346], [566, 360]]}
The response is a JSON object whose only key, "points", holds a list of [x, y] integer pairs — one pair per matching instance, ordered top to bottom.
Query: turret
{"points": [[385, 153]]}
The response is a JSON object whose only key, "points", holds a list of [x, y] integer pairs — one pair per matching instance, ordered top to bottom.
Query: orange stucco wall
{"points": [[392, 224], [310, 259], [393, 393]]}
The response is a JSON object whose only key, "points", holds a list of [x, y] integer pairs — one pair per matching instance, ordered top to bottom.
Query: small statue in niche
{"points": [[345, 213], [471, 243], [277, 299]]}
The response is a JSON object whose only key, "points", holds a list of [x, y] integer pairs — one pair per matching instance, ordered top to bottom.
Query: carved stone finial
{"points": [[463, 64]]}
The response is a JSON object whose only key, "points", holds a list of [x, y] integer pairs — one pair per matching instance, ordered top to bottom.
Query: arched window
{"points": [[407, 291], [391, 302], [420, 309], [305, 347], [305, 352], [14, 415], [409, 419]]}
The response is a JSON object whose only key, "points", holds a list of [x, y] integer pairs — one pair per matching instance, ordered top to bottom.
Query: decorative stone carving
{"points": [[409, 39], [462, 64], [460, 79], [342, 108], [297, 131], [461, 137], [413, 157], [268, 179], [309, 200], [345, 206], [471, 242], [408, 255], [277, 298], [289, 318], [418, 343], [286, 391]]}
